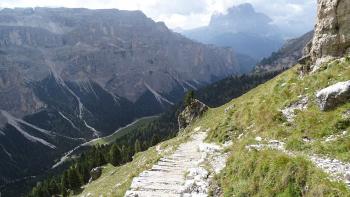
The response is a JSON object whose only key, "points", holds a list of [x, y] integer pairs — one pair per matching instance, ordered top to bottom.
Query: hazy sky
{"points": [[188, 14]]}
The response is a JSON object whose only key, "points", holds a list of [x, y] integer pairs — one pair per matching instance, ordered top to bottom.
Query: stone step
{"points": [[174, 173], [167, 177], [177, 180], [173, 187], [150, 194]]}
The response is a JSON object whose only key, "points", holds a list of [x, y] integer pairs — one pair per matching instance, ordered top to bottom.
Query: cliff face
{"points": [[332, 31]]}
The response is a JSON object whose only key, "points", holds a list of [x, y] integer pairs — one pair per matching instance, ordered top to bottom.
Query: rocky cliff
{"points": [[332, 31]]}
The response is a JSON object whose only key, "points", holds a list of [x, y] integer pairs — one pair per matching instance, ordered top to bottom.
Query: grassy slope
{"points": [[257, 113], [122, 132]]}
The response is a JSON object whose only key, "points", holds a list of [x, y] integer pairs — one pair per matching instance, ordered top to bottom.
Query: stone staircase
{"points": [[169, 177]]}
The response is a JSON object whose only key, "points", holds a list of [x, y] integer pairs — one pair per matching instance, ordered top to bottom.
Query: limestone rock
{"points": [[332, 32], [334, 95], [191, 112], [288, 112], [346, 114], [95, 173]]}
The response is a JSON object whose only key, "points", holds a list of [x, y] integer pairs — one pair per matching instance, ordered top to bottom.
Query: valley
{"points": [[107, 102]]}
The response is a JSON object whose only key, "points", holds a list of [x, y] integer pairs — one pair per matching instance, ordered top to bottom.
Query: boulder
{"points": [[334, 95], [190, 113], [95, 173]]}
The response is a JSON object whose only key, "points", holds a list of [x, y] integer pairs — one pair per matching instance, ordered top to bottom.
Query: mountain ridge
{"points": [[243, 29]]}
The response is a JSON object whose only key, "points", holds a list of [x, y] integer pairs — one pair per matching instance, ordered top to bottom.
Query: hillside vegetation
{"points": [[258, 114], [265, 172]]}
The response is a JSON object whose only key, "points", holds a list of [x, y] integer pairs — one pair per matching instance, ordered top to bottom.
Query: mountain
{"points": [[242, 28], [287, 56], [70, 75], [276, 132], [287, 137]]}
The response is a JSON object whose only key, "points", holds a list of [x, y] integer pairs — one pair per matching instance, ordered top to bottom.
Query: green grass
{"points": [[257, 113], [122, 132], [271, 173], [114, 181]]}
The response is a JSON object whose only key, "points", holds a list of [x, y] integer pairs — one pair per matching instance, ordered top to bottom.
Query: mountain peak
{"points": [[243, 8], [242, 18]]}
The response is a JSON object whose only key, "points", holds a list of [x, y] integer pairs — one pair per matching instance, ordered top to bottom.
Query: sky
{"points": [[189, 14]]}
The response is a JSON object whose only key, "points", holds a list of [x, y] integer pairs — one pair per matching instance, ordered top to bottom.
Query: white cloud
{"points": [[190, 13]]}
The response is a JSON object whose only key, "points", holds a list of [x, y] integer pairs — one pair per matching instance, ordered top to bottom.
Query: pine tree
{"points": [[189, 97], [155, 140], [137, 146], [125, 154], [115, 156], [74, 178], [64, 183], [53, 187]]}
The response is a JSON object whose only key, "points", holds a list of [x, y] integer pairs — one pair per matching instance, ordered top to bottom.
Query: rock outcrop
{"points": [[332, 31], [334, 95], [191, 112], [95, 173]]}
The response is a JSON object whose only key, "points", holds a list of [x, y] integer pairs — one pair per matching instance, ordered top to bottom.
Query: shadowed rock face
{"points": [[332, 32], [287, 56], [79, 73]]}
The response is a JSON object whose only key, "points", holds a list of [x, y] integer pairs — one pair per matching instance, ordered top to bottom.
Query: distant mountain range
{"points": [[242, 28], [251, 34], [287, 56], [70, 75]]}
